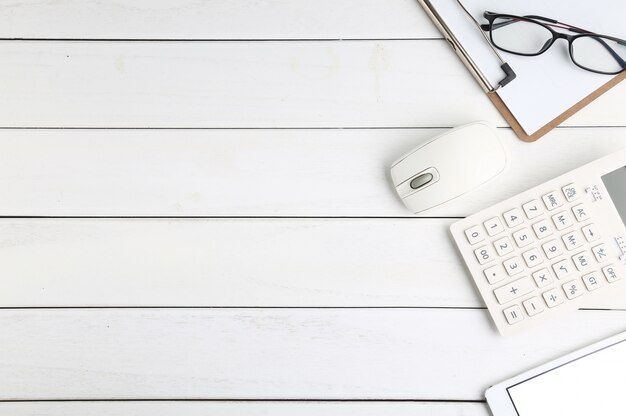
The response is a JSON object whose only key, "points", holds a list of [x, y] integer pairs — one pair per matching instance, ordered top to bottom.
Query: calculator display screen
{"points": [[615, 183], [593, 384]]}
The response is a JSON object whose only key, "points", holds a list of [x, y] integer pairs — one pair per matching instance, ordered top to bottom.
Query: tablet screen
{"points": [[594, 384]]}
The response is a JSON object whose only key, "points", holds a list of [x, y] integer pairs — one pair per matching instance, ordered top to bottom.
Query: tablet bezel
{"points": [[498, 397]]}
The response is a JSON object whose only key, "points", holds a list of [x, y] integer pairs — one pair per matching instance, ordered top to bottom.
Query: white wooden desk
{"points": [[197, 217]]}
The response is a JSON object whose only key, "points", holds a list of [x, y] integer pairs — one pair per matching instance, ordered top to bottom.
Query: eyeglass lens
{"points": [[520, 36], [525, 37], [599, 54]]}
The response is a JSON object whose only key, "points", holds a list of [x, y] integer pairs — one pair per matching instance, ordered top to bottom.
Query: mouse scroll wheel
{"points": [[421, 180]]}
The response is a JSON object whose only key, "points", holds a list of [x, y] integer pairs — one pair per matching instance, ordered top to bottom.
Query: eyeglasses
{"points": [[533, 35]]}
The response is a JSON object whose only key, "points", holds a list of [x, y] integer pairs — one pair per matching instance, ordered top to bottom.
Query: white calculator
{"points": [[552, 248]]}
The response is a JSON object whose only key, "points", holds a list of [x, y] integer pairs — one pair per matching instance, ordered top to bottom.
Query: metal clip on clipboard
{"points": [[464, 55], [508, 71]]}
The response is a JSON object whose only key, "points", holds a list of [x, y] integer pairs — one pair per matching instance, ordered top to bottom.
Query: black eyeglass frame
{"points": [[539, 20]]}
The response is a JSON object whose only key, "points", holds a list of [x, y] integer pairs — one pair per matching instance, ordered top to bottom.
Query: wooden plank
{"points": [[233, 19], [237, 84], [250, 84], [302, 173], [244, 262], [230, 263], [415, 354], [264, 408]]}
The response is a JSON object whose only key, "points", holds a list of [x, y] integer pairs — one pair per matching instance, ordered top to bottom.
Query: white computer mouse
{"points": [[448, 166]]}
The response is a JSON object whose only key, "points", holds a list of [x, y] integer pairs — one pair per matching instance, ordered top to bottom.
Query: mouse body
{"points": [[448, 166]]}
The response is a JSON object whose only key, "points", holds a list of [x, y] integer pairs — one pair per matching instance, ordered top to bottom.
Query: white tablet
{"points": [[590, 381]]}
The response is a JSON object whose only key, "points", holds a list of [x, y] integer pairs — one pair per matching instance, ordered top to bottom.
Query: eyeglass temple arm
{"points": [[490, 15], [614, 54]]}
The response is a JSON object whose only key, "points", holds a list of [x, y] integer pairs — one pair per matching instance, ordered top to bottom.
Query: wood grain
{"points": [[233, 19], [237, 84], [251, 84], [246, 173], [54, 262], [416, 354], [236, 408]]}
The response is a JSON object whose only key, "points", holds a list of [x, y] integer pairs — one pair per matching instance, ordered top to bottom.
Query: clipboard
{"points": [[443, 21], [519, 131]]}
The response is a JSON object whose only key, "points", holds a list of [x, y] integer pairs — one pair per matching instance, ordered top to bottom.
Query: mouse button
{"points": [[413, 163], [421, 180], [418, 182], [428, 196]]}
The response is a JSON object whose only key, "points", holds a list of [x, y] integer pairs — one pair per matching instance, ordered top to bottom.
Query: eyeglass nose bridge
{"points": [[559, 35], [555, 37]]}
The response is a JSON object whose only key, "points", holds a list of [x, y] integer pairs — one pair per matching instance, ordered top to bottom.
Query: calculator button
{"points": [[571, 192], [553, 200], [533, 209], [580, 212], [513, 218], [562, 220], [494, 226], [543, 229], [591, 232], [475, 234], [523, 237], [572, 240], [503, 246], [552, 249], [600, 252], [484, 254], [532, 257], [582, 260], [513, 266], [562, 268], [494, 274], [611, 274], [542, 277], [592, 281], [573, 289], [514, 290], [553, 298], [533, 306], [513, 314]]}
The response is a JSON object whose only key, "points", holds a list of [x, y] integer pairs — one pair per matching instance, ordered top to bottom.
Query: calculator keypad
{"points": [[541, 254]]}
